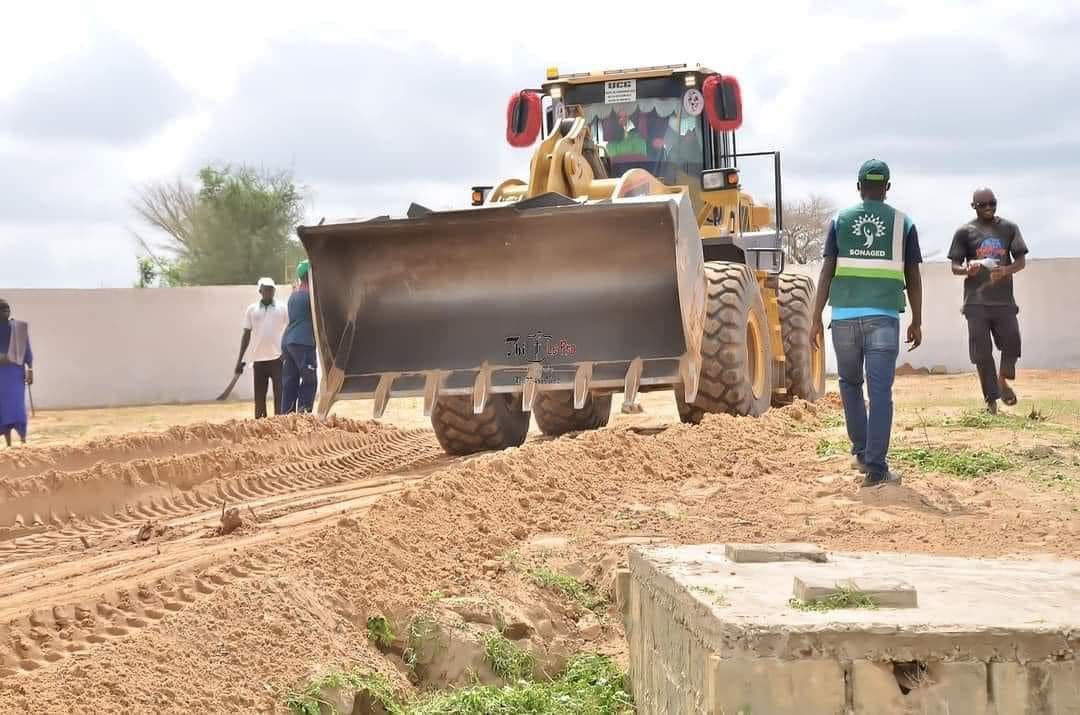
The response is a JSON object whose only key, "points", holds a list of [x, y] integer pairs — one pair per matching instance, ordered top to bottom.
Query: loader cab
{"points": [[660, 123]]}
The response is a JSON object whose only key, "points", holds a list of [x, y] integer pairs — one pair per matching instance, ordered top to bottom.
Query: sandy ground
{"points": [[121, 592]]}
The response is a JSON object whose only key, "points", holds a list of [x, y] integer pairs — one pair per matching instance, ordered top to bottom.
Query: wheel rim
{"points": [[817, 362], [755, 365]]}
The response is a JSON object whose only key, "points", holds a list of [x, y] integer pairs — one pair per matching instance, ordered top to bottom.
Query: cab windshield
{"points": [[658, 135]]}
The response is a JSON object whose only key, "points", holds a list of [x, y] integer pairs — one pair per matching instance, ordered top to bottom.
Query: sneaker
{"points": [[1008, 396], [991, 406], [874, 480]]}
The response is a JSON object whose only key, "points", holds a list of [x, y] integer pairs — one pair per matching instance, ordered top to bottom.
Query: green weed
{"points": [[827, 447], [946, 461], [571, 588], [714, 596], [843, 598], [380, 631], [506, 658], [590, 684], [309, 700]]}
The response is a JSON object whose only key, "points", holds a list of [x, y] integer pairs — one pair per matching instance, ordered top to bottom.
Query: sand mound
{"points": [[476, 532]]}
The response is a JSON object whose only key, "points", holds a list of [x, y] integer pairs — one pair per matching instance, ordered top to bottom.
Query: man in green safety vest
{"points": [[871, 256]]}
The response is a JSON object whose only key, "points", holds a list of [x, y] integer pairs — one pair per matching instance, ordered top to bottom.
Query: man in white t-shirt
{"points": [[264, 324]]}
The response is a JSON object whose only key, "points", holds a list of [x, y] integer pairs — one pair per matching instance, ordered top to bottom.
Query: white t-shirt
{"points": [[267, 324]]}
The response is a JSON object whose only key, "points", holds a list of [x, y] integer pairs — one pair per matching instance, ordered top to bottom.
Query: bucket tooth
{"points": [[690, 372], [335, 376], [582, 378], [532, 380], [633, 381], [433, 382], [481, 389], [382, 393]]}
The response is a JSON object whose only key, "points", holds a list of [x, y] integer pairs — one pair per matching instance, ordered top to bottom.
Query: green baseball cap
{"points": [[874, 170], [302, 269]]}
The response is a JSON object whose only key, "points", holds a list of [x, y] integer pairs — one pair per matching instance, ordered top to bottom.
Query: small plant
{"points": [[834, 420], [828, 447], [967, 465], [571, 588], [714, 596], [843, 598], [421, 628], [379, 631], [506, 658], [309, 701]]}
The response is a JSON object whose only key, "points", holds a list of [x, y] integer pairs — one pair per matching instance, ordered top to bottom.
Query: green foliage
{"points": [[234, 228], [981, 419], [828, 447], [946, 461], [571, 588], [843, 598], [379, 631], [506, 658], [590, 685], [309, 700]]}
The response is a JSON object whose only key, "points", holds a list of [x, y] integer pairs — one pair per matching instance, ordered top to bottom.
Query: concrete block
{"points": [[766, 553], [622, 589], [885, 592], [1060, 686], [777, 687], [1009, 688]]}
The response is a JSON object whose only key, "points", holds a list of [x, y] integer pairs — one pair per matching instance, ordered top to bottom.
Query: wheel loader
{"points": [[630, 260]]}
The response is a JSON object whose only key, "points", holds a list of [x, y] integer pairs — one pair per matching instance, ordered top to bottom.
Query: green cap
{"points": [[874, 170], [302, 269]]}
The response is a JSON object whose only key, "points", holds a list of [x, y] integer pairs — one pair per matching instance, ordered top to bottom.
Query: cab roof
{"points": [[554, 78]]}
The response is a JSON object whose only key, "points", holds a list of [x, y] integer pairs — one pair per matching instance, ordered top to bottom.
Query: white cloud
{"points": [[375, 106]]}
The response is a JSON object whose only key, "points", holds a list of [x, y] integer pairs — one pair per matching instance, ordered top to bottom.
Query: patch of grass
{"points": [[981, 419], [833, 421], [827, 447], [967, 465], [580, 593], [714, 596], [843, 598], [421, 627], [380, 631], [506, 658], [590, 684], [309, 701]]}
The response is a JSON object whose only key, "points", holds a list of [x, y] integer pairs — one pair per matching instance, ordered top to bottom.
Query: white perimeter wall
{"points": [[151, 346], [111, 347]]}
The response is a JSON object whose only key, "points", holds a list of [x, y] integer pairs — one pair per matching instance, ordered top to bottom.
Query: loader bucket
{"points": [[546, 292]]}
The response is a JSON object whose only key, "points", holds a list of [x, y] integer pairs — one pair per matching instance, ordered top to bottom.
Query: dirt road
{"points": [[119, 593]]}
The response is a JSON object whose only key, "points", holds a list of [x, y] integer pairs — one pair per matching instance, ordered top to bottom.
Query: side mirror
{"points": [[723, 103], [523, 119]]}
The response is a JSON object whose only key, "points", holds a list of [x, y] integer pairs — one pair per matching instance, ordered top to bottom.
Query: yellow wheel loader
{"points": [[630, 261]]}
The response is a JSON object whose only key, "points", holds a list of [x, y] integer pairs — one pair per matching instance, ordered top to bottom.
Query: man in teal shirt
{"points": [[871, 257], [298, 375]]}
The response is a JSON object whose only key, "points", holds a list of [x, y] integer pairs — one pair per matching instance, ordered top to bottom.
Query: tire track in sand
{"points": [[289, 467], [53, 606]]}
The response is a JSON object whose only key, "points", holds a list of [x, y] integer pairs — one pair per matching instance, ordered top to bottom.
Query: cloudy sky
{"points": [[375, 106]]}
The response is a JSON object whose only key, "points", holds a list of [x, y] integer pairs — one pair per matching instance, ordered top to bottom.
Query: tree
{"points": [[805, 223], [234, 228]]}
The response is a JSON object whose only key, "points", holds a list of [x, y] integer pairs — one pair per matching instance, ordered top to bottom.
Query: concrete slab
{"points": [[767, 553], [885, 593], [710, 635]]}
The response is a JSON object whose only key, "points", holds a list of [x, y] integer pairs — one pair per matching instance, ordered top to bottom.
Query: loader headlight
{"points": [[713, 179]]}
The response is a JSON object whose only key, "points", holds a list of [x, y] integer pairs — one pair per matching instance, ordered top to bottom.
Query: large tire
{"points": [[737, 360], [804, 365], [555, 413], [502, 424]]}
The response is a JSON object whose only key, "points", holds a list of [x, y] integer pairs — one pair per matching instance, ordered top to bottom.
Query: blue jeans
{"points": [[873, 341], [298, 378]]}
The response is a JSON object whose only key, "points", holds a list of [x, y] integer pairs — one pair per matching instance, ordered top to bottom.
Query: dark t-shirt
{"points": [[975, 241], [300, 331]]}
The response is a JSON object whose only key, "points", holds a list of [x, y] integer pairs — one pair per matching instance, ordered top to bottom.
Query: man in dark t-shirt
{"points": [[993, 250]]}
